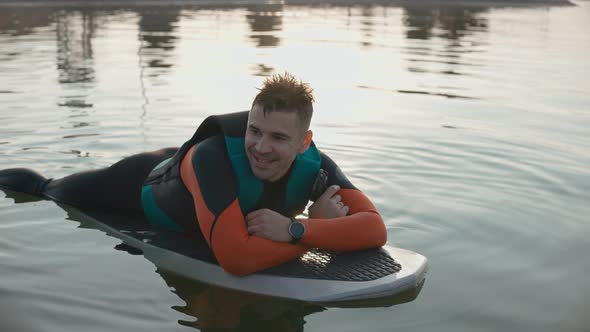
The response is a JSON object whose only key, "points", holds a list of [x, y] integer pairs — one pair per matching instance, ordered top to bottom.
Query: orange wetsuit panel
{"points": [[362, 228], [227, 235]]}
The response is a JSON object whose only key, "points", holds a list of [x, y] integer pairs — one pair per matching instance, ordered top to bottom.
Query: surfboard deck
{"points": [[317, 277]]}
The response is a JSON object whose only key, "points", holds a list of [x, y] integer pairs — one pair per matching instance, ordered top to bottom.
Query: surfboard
{"points": [[317, 277]]}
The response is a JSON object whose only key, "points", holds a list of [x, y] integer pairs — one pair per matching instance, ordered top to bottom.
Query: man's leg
{"points": [[116, 188]]}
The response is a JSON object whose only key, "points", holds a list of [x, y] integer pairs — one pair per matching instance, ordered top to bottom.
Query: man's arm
{"points": [[353, 225], [225, 228], [361, 228]]}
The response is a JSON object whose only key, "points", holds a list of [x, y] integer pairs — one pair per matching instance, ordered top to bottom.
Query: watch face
{"points": [[296, 229]]}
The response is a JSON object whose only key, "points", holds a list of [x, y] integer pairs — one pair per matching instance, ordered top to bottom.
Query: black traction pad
{"points": [[363, 265]]}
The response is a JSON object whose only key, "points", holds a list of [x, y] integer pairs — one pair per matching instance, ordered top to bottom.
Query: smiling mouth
{"points": [[260, 161]]}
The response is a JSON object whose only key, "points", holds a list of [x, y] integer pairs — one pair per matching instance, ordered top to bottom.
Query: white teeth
{"points": [[261, 160]]}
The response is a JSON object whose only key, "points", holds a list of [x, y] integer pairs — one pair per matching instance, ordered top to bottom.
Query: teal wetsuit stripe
{"points": [[161, 164], [303, 176], [249, 187], [154, 214]]}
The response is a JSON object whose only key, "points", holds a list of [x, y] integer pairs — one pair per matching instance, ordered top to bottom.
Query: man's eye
{"points": [[254, 131], [279, 137]]}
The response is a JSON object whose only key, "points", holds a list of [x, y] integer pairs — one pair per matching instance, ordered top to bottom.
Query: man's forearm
{"points": [[363, 228]]}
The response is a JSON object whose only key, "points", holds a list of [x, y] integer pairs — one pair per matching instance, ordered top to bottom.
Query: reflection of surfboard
{"points": [[316, 277]]}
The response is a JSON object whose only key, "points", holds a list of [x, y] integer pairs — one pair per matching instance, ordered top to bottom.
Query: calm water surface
{"points": [[467, 126]]}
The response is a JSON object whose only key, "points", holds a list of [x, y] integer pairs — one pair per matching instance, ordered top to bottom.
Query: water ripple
{"points": [[438, 94]]}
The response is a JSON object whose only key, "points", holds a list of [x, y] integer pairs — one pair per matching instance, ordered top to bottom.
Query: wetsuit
{"points": [[219, 181], [202, 188]]}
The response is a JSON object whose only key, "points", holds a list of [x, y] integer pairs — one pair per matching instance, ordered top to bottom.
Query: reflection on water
{"points": [[367, 12], [23, 21], [264, 21], [452, 22], [454, 26], [157, 33], [74, 34], [157, 37], [263, 70], [447, 95], [216, 308]]}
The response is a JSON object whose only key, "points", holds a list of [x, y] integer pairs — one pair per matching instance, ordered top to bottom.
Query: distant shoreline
{"points": [[232, 3]]}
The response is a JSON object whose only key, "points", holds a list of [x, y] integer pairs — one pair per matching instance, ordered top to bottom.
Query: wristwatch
{"points": [[296, 230]]}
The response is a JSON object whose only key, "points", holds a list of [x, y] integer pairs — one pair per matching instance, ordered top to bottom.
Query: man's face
{"points": [[273, 141]]}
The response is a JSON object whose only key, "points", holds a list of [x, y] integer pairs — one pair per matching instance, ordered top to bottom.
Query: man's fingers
{"points": [[330, 192], [336, 198], [341, 205], [345, 210], [255, 214], [252, 215], [255, 221], [254, 229]]}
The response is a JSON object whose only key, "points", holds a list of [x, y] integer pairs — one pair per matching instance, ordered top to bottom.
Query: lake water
{"points": [[467, 126]]}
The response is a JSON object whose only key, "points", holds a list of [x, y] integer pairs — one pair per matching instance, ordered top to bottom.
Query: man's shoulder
{"points": [[211, 146], [210, 158], [326, 162], [214, 173], [335, 174]]}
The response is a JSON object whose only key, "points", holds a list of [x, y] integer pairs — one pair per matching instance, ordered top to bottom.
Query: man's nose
{"points": [[263, 146]]}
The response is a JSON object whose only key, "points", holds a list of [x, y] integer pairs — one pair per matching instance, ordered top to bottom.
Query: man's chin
{"points": [[261, 175]]}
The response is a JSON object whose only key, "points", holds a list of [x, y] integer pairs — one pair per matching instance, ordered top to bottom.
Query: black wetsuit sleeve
{"points": [[335, 174]]}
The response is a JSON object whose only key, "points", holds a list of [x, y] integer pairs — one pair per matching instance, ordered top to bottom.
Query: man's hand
{"points": [[328, 205], [269, 224]]}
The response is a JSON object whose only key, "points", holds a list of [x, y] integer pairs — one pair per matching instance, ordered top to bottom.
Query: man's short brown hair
{"points": [[286, 93]]}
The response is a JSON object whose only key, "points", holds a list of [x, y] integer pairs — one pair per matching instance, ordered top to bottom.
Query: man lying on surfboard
{"points": [[239, 183]]}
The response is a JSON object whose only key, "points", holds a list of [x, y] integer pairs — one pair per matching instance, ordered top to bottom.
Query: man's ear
{"points": [[306, 141]]}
